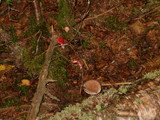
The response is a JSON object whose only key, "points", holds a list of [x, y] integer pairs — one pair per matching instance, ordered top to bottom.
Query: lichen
{"points": [[152, 75], [87, 109]]}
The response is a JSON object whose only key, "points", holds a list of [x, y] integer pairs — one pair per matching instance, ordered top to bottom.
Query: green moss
{"points": [[9, 2], [152, 3], [122, 8], [136, 11], [65, 18], [114, 24], [14, 37], [86, 44], [102, 44], [4, 48], [33, 55], [132, 63], [32, 64], [57, 69], [24, 90], [137, 100], [12, 102], [84, 111], [24, 117]]}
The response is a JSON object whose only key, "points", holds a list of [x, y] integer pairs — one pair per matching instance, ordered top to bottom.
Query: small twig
{"points": [[13, 9], [36, 11], [147, 13], [85, 15], [96, 16], [25, 39], [38, 42], [85, 63], [50, 80], [82, 81], [123, 83], [50, 95], [49, 104], [125, 113], [19, 115], [46, 115]]}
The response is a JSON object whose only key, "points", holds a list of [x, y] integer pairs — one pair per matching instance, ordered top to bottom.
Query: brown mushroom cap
{"points": [[92, 87]]}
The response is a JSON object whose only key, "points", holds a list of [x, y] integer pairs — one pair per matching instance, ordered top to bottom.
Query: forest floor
{"points": [[113, 42]]}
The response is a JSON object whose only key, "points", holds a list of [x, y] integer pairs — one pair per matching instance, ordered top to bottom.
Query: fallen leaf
{"points": [[138, 27], [6, 67], [25, 82]]}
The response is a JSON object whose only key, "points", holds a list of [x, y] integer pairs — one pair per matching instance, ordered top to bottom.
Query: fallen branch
{"points": [[38, 96]]}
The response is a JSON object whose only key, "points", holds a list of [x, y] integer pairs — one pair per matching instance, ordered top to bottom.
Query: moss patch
{"points": [[114, 24]]}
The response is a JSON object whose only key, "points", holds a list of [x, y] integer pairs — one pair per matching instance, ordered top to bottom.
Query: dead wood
{"points": [[38, 96]]}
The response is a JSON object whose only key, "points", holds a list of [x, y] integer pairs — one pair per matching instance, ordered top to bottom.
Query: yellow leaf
{"points": [[2, 67], [5, 67], [25, 82]]}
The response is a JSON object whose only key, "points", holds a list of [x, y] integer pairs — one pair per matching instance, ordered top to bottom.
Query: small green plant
{"points": [[8, 2], [152, 3], [122, 8], [136, 11], [65, 18], [114, 24], [14, 37], [85, 44], [102, 44], [33, 56], [132, 63], [32, 64], [57, 69], [123, 89], [24, 90], [137, 100], [12, 102], [24, 117]]}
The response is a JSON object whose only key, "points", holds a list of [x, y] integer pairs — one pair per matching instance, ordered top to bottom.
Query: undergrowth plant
{"points": [[9, 2], [65, 18], [112, 23], [14, 37], [33, 55], [33, 60], [57, 68]]}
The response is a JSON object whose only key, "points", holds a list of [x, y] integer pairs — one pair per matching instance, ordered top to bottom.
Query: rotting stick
{"points": [[38, 96]]}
